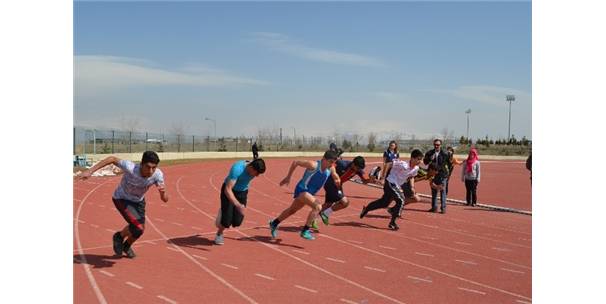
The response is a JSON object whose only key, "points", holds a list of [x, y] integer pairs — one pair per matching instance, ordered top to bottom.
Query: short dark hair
{"points": [[437, 139], [416, 153], [330, 154], [150, 157], [359, 162], [259, 165]]}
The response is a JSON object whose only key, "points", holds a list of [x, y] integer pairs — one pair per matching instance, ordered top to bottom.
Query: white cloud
{"points": [[288, 45], [99, 73]]}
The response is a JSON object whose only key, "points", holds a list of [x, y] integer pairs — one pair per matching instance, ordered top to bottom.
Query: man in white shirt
{"points": [[401, 173]]}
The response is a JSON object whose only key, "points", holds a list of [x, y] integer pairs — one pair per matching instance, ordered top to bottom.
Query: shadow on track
{"points": [[193, 241], [96, 260]]}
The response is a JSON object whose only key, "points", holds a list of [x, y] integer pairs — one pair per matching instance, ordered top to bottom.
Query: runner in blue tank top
{"points": [[313, 180]]}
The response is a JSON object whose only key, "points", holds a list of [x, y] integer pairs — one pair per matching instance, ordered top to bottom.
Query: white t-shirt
{"points": [[401, 171], [133, 186]]}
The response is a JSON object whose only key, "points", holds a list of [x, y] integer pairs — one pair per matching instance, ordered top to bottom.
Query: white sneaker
{"points": [[219, 239]]}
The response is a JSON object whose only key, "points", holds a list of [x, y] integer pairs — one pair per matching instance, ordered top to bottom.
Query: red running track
{"points": [[464, 256]]}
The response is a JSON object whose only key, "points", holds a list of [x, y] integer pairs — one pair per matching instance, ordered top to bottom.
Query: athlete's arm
{"points": [[109, 160], [307, 164], [335, 177], [229, 192], [163, 194]]}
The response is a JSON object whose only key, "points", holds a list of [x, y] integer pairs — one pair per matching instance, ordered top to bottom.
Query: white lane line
{"points": [[102, 206], [160, 220], [81, 221], [178, 224], [94, 226], [195, 227], [109, 230], [430, 238], [151, 242], [355, 242], [462, 243], [172, 248], [391, 248], [501, 249], [301, 252], [424, 254], [199, 257], [335, 260], [467, 262], [229, 266], [426, 268], [375, 269], [511, 270], [89, 273], [109, 274], [264, 276], [420, 279], [134, 285], [306, 289], [472, 290], [167, 299], [347, 301], [523, 302]]}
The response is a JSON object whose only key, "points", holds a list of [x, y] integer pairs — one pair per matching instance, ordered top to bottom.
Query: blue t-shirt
{"points": [[389, 156], [239, 174], [133, 186]]}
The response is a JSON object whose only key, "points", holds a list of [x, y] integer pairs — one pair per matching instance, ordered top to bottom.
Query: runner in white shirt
{"points": [[402, 172], [129, 197]]}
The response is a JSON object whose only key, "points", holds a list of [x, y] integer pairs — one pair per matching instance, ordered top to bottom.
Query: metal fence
{"points": [[100, 141]]}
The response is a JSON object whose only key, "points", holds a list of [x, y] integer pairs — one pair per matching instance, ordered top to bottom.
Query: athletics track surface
{"points": [[469, 255]]}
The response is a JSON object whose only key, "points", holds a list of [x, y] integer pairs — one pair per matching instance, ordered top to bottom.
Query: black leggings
{"points": [[471, 186], [390, 193]]}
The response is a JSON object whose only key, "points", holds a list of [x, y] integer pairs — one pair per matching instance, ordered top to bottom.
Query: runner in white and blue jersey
{"points": [[312, 181], [129, 197]]}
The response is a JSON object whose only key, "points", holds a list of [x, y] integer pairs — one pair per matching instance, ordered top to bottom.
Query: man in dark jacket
{"points": [[441, 160]]}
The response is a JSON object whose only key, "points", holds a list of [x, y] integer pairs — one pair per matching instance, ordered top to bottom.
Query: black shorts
{"points": [[407, 189], [333, 194], [133, 212], [230, 216]]}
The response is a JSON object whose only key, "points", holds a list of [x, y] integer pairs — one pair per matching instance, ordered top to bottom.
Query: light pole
{"points": [[509, 98], [468, 112], [214, 125], [294, 140]]}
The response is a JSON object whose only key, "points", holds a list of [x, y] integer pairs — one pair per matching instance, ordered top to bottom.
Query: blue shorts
{"points": [[299, 190]]}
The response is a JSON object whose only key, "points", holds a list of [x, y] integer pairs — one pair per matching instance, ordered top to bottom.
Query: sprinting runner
{"points": [[402, 172], [314, 177], [234, 193], [129, 197], [335, 199]]}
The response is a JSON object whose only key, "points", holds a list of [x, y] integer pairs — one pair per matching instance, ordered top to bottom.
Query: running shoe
{"points": [[363, 213], [324, 218], [314, 224], [393, 226], [274, 230], [306, 234], [118, 239], [219, 239], [130, 253]]}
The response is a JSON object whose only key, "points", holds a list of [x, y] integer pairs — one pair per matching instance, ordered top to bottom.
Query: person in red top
{"points": [[335, 199]]}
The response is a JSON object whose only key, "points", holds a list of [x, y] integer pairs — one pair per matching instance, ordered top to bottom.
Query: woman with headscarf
{"points": [[471, 176]]}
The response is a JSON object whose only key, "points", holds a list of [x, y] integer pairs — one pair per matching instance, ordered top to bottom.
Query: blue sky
{"points": [[318, 67]]}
